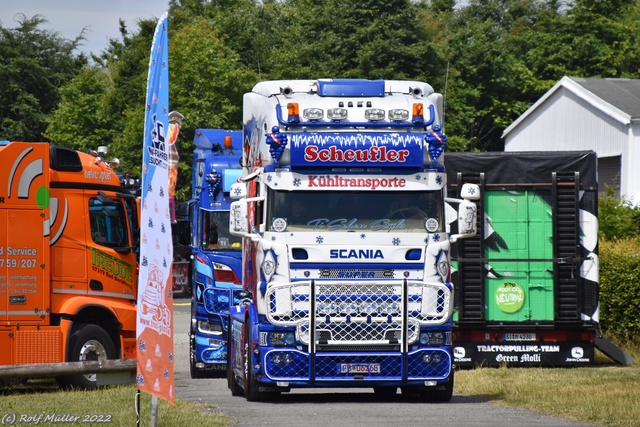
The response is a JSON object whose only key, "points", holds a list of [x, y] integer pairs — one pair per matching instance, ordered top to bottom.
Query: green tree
{"points": [[603, 38], [34, 64], [492, 81], [206, 83], [79, 121], [618, 218]]}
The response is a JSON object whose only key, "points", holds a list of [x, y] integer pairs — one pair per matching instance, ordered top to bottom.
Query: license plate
{"points": [[519, 337], [359, 368]]}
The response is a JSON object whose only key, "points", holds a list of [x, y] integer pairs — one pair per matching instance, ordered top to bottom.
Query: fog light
{"points": [[426, 358]]}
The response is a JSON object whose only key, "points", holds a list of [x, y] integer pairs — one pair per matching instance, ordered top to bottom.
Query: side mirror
{"points": [[238, 191], [470, 192], [467, 212], [467, 217], [238, 221], [183, 232]]}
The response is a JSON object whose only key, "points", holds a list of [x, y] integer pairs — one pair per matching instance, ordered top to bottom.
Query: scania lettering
{"points": [[345, 245], [353, 253], [68, 265], [215, 268]]}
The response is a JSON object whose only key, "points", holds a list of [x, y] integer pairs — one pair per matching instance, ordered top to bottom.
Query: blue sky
{"points": [[69, 17]]}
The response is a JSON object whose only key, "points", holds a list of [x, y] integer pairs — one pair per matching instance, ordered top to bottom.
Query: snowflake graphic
{"points": [[417, 177], [269, 178], [439, 179], [296, 182], [236, 191], [363, 236], [436, 237], [319, 239], [396, 241]]}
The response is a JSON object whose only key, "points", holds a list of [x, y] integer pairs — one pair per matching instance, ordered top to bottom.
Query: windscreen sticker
{"points": [[279, 224], [431, 224]]}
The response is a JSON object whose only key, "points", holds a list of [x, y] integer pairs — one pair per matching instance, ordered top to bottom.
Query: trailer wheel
{"points": [[87, 343], [442, 394]]}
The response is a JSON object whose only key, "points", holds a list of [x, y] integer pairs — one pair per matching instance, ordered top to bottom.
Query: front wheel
{"points": [[87, 343], [193, 370], [232, 383], [251, 385], [385, 391], [442, 393]]}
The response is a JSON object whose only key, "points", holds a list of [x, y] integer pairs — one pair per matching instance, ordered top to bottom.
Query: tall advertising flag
{"points": [[155, 373]]}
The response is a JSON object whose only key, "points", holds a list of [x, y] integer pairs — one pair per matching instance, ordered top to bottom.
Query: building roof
{"points": [[621, 93], [618, 98]]}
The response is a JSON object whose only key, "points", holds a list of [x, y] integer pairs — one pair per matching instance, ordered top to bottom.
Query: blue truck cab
{"points": [[216, 257]]}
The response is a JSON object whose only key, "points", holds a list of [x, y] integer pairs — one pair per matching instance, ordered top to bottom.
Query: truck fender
{"points": [[121, 314]]}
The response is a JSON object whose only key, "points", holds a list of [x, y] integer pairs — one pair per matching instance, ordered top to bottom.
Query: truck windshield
{"points": [[376, 211], [215, 232]]}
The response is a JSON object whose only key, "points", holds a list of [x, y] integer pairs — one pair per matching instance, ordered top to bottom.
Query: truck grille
{"points": [[358, 313]]}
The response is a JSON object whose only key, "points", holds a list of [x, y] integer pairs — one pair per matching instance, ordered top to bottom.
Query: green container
{"points": [[520, 228]]}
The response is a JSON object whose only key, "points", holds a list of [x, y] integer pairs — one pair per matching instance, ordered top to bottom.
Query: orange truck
{"points": [[68, 258]]}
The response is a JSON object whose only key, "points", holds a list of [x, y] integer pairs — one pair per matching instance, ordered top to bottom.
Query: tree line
{"points": [[492, 59]]}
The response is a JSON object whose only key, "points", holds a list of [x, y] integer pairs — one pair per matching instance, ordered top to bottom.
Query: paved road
{"points": [[343, 407]]}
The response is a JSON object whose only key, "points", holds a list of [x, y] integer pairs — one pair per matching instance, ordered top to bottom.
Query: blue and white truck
{"points": [[346, 250], [215, 264]]}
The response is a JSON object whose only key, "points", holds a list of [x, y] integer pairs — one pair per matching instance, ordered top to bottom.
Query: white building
{"points": [[596, 114]]}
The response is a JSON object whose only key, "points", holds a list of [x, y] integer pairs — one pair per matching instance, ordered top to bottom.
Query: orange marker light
{"points": [[292, 109]]}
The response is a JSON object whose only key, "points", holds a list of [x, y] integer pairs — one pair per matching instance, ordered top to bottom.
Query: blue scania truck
{"points": [[346, 249], [215, 264]]}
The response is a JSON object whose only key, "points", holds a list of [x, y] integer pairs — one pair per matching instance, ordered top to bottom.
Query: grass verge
{"points": [[605, 394], [43, 400]]}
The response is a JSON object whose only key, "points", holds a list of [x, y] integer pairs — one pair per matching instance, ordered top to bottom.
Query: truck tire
{"points": [[87, 342], [193, 370], [232, 383], [251, 384], [385, 391], [441, 394]]}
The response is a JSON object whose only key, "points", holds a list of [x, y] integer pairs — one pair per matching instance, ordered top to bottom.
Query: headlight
{"points": [[313, 113], [337, 113], [374, 114], [399, 115], [209, 327], [281, 338], [432, 338]]}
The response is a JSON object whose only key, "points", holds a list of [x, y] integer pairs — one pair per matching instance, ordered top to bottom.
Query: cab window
{"points": [[108, 223]]}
